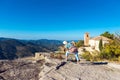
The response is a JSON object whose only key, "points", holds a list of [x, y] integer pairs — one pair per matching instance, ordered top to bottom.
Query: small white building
{"points": [[94, 42]]}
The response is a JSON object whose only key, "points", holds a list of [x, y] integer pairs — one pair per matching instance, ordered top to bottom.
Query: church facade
{"points": [[94, 42]]}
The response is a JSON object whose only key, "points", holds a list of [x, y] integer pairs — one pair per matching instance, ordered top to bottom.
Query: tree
{"points": [[108, 35], [117, 38], [100, 45], [111, 51]]}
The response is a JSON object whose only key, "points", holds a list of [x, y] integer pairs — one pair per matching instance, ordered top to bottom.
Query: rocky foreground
{"points": [[54, 69], [20, 70]]}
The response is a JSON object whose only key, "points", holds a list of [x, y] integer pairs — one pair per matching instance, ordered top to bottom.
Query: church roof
{"points": [[101, 37]]}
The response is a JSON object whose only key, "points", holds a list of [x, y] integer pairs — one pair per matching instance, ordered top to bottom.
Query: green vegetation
{"points": [[108, 35], [117, 38], [79, 43], [100, 45], [14, 48], [110, 51], [57, 55], [86, 55], [91, 57]]}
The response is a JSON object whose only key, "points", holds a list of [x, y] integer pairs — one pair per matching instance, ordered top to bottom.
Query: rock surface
{"points": [[20, 70], [46, 70], [81, 71]]}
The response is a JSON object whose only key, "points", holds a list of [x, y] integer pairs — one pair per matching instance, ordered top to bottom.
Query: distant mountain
{"points": [[48, 44], [15, 48]]}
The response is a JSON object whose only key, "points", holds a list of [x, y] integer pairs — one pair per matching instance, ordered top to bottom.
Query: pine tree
{"points": [[108, 35], [100, 45]]}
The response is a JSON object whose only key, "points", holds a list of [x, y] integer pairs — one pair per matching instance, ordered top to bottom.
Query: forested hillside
{"points": [[14, 48]]}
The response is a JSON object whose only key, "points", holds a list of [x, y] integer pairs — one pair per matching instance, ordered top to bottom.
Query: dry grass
{"points": [[57, 55]]}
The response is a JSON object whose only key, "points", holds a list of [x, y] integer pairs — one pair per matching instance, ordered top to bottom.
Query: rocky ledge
{"points": [[55, 69], [20, 70], [82, 71]]}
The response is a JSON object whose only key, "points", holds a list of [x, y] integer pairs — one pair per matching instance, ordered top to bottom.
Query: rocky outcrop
{"points": [[55, 69], [20, 70], [82, 71]]}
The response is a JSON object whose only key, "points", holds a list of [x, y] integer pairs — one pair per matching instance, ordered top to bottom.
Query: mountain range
{"points": [[15, 48]]}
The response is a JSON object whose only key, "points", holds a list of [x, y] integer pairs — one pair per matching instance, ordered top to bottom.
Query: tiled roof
{"points": [[101, 37]]}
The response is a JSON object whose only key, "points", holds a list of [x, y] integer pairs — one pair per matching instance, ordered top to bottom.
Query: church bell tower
{"points": [[86, 39]]}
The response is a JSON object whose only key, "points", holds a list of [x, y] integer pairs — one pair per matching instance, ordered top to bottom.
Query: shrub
{"points": [[79, 43], [110, 51], [56, 55], [86, 55]]}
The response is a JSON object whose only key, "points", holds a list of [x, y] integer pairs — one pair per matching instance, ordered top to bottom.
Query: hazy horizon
{"points": [[58, 19]]}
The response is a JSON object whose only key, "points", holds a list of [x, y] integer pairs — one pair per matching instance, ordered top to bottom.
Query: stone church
{"points": [[94, 42]]}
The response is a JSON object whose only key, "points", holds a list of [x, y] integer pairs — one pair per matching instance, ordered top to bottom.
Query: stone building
{"points": [[94, 42]]}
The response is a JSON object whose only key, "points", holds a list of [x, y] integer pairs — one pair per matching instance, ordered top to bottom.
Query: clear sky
{"points": [[58, 19]]}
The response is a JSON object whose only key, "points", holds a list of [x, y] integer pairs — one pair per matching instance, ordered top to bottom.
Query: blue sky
{"points": [[58, 19]]}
